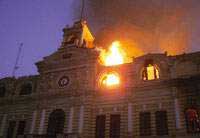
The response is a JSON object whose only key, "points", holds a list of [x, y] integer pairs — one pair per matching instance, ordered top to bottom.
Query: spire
{"points": [[82, 9]]}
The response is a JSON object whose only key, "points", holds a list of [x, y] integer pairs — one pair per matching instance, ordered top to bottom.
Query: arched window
{"points": [[71, 39], [150, 71], [110, 79], [26, 89], [2, 90], [192, 121], [56, 122]]}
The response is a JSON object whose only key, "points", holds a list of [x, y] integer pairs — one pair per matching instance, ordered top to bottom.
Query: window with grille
{"points": [[145, 123], [161, 123], [100, 126], [115, 126], [21, 127]]}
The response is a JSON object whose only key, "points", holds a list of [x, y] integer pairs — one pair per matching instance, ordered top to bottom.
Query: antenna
{"points": [[82, 9], [104, 12], [17, 59]]}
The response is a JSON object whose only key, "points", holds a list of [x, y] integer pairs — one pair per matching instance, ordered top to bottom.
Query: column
{"points": [[177, 113], [81, 116], [130, 118], [42, 119], [3, 123], [70, 123], [32, 128]]}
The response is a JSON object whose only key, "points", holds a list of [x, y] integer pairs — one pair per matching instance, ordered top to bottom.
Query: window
{"points": [[71, 39], [66, 56], [150, 71], [110, 79], [26, 89], [2, 90], [191, 101], [192, 121], [56, 122], [145, 123], [161, 123], [100, 126], [115, 126], [21, 127], [11, 129]]}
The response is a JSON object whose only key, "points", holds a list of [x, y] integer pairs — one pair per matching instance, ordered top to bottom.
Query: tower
{"points": [[78, 35], [76, 49]]}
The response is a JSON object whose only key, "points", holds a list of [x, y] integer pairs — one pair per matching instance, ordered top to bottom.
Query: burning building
{"points": [[89, 92]]}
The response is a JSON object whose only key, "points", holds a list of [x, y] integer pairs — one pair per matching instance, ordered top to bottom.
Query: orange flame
{"points": [[114, 56]]}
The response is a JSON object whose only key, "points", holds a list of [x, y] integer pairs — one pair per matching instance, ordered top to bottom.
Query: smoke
{"points": [[143, 26]]}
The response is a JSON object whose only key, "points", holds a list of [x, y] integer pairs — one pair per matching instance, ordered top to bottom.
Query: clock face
{"points": [[64, 81]]}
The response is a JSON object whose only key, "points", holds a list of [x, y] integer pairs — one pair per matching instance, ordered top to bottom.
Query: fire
{"points": [[114, 56], [110, 79]]}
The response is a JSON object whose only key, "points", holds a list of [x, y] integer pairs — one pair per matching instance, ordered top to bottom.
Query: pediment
{"points": [[67, 58]]}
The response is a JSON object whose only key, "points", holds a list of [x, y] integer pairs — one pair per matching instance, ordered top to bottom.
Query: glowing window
{"points": [[150, 72], [110, 79]]}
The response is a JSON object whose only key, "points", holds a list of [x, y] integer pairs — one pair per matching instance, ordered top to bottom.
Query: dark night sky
{"points": [[36, 23], [39, 23]]}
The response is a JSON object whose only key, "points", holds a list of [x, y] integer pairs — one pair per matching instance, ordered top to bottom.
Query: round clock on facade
{"points": [[63, 81]]}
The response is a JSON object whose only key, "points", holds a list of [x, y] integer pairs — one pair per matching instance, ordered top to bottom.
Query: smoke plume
{"points": [[143, 26]]}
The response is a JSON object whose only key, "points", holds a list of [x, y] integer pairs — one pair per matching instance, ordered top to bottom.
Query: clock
{"points": [[63, 81]]}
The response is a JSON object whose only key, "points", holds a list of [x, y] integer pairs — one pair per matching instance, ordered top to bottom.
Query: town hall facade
{"points": [[68, 98]]}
